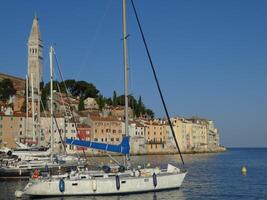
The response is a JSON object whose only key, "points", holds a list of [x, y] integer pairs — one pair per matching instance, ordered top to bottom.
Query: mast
{"points": [[125, 61], [51, 100], [27, 106], [33, 111], [38, 116]]}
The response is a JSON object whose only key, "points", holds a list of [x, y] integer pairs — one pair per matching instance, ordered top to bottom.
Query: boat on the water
{"points": [[109, 180], [101, 183]]}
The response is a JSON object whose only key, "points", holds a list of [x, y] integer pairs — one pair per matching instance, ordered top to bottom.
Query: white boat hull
{"points": [[106, 186]]}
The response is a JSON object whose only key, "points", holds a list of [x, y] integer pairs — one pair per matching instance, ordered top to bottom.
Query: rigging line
{"points": [[94, 38], [156, 79], [59, 90], [67, 94], [60, 134]]}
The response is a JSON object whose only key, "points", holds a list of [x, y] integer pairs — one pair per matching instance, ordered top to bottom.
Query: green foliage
{"points": [[7, 89], [83, 90], [114, 99], [101, 101], [81, 104], [138, 107]]}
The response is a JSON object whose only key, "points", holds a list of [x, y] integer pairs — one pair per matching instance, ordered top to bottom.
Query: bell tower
{"points": [[35, 56], [35, 76]]}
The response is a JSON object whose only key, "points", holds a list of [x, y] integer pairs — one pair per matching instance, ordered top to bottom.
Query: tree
{"points": [[7, 89], [114, 99], [100, 101], [81, 104], [150, 113]]}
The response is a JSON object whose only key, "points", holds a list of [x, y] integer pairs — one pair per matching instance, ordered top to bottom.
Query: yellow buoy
{"points": [[244, 170]]}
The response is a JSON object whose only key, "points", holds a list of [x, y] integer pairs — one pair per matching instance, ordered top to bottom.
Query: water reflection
{"points": [[173, 194]]}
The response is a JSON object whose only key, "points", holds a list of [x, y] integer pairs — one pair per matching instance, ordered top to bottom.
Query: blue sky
{"points": [[211, 56]]}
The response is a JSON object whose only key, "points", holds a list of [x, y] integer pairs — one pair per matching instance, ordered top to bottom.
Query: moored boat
{"points": [[123, 179]]}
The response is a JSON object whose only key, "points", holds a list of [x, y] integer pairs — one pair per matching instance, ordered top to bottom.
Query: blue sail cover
{"points": [[123, 147]]}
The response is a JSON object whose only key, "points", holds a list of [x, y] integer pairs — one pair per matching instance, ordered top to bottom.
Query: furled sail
{"points": [[123, 147]]}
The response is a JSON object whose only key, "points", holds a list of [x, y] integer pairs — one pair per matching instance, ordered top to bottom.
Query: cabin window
{"points": [[146, 180], [123, 182], [74, 184]]}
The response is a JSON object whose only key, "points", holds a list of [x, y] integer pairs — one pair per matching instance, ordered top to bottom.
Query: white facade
{"points": [[90, 103]]}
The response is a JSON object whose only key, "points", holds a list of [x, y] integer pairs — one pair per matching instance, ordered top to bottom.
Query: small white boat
{"points": [[91, 184]]}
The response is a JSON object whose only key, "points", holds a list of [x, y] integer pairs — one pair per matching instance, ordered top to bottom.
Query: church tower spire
{"points": [[35, 55], [35, 74]]}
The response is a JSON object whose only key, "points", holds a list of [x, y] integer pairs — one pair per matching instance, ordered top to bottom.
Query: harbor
{"points": [[110, 105], [211, 176]]}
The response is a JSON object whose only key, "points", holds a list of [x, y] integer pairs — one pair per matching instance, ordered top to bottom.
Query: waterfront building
{"points": [[11, 129], [106, 129], [182, 129], [156, 136], [213, 136], [137, 137]]}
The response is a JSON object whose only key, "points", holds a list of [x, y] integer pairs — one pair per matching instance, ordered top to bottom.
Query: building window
{"points": [[113, 131], [112, 139], [117, 139]]}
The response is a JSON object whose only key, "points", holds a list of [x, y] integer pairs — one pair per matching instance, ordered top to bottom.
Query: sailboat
{"points": [[37, 158], [122, 179]]}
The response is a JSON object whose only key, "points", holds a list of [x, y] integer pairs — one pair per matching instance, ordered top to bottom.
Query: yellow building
{"points": [[106, 129], [156, 136]]}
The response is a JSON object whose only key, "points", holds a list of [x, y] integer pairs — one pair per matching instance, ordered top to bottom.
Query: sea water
{"points": [[210, 176]]}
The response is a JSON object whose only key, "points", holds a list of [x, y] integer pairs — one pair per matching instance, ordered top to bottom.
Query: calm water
{"points": [[211, 176]]}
